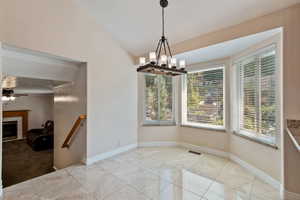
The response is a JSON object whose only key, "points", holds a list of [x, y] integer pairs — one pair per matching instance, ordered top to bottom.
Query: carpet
{"points": [[21, 163]]}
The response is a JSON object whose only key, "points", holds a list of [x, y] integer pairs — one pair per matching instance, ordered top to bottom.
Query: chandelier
{"points": [[161, 61]]}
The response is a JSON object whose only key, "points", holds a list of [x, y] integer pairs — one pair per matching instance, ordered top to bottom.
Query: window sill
{"points": [[162, 124], [203, 127], [257, 140]]}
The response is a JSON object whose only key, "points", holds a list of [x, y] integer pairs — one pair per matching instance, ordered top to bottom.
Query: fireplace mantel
{"points": [[19, 113]]}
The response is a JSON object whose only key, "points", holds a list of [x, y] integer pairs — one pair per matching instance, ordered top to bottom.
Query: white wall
{"points": [[63, 28], [69, 103], [40, 106]]}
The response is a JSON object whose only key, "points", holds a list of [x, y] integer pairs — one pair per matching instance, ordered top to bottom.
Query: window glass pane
{"points": [[249, 91], [268, 95], [151, 97], [205, 97], [158, 98], [166, 98], [258, 106]]}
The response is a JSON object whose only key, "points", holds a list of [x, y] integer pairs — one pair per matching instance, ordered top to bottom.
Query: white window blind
{"points": [[205, 98], [158, 99], [258, 105]]}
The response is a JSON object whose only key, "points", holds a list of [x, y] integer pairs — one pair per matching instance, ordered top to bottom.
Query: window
{"points": [[257, 96], [159, 99], [203, 103]]}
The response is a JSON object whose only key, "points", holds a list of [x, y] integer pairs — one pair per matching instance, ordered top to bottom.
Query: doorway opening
{"points": [[37, 113]]}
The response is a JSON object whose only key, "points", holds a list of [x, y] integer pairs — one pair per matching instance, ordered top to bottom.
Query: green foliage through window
{"points": [[258, 94], [159, 98], [205, 100]]}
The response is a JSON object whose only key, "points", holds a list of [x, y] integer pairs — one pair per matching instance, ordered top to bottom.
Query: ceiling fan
{"points": [[9, 83]]}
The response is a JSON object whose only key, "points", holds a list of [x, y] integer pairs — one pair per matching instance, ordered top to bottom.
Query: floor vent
{"points": [[194, 152]]}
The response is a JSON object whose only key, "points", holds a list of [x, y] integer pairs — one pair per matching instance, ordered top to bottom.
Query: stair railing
{"points": [[67, 141]]}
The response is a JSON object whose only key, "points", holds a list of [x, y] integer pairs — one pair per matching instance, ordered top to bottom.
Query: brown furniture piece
{"points": [[19, 113], [42, 138]]}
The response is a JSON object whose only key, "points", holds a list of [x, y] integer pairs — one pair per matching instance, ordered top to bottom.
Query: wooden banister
{"points": [[73, 131]]}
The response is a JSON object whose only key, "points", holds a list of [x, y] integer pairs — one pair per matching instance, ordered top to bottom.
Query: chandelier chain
{"points": [[163, 21]]}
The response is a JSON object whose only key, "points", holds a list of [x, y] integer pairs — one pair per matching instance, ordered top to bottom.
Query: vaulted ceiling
{"points": [[136, 24]]}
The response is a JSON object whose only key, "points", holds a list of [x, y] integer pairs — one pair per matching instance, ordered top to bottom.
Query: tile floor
{"points": [[145, 174]]}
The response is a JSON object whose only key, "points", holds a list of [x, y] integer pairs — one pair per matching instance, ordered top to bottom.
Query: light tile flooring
{"points": [[145, 174]]}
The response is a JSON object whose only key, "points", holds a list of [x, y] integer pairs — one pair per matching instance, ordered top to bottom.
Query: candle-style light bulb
{"points": [[152, 57], [163, 60], [142, 61], [173, 62], [182, 64]]}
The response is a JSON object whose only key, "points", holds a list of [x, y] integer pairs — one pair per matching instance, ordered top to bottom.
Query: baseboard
{"points": [[158, 144], [205, 150], [109, 154], [55, 168], [257, 172], [290, 195]]}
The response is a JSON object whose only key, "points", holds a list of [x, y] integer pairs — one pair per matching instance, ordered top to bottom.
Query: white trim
{"points": [[275, 43], [203, 67], [144, 104], [19, 126], [204, 126], [158, 144], [205, 150], [102, 156], [55, 168], [257, 172], [290, 195]]}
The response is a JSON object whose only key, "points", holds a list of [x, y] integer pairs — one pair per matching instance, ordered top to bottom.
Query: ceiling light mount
{"points": [[164, 3], [161, 61]]}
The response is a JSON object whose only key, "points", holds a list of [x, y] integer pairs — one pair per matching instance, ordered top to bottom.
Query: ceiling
{"points": [[136, 24], [226, 49], [23, 85]]}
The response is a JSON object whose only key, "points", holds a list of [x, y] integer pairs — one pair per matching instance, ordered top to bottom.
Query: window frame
{"points": [[202, 68], [171, 122], [253, 135]]}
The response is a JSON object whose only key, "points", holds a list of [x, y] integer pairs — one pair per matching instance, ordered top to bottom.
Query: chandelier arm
{"points": [[159, 42], [160, 46], [165, 50], [170, 52]]}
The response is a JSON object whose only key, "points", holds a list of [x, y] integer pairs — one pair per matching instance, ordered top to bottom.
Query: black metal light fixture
{"points": [[161, 61]]}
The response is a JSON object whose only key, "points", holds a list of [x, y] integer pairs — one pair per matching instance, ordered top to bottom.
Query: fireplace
{"points": [[10, 130]]}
